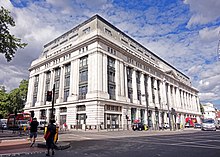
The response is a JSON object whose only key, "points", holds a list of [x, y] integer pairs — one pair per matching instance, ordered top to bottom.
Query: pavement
{"points": [[15, 144]]}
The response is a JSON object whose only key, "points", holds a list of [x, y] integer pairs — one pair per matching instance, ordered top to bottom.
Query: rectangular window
{"points": [[87, 30], [108, 32], [83, 62], [111, 62], [67, 69], [57, 72], [83, 76], [111, 76], [67, 82], [82, 91], [111, 91], [66, 94], [81, 108]]}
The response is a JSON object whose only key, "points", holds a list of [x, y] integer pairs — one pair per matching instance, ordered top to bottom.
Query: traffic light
{"points": [[49, 95], [77, 116]]}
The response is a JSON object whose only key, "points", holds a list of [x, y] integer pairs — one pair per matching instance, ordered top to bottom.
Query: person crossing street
{"points": [[33, 131]]}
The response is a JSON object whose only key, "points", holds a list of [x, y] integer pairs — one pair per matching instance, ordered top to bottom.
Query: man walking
{"points": [[33, 131], [49, 136]]}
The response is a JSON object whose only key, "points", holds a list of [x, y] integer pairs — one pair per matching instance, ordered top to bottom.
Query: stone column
{"points": [[97, 76], [52, 78], [122, 79], [117, 80], [74, 81], [126, 83], [134, 86], [61, 87], [149, 90], [40, 91], [30, 93], [143, 94], [156, 94], [178, 103], [48, 115], [57, 116]]}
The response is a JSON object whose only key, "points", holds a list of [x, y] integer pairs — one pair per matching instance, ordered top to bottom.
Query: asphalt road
{"points": [[195, 144]]}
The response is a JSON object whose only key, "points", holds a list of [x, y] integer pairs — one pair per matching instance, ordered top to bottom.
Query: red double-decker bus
{"points": [[21, 119]]}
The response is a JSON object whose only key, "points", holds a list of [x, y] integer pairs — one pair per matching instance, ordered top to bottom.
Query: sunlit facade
{"points": [[105, 80]]}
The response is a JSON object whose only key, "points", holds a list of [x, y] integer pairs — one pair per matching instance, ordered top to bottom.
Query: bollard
{"points": [[56, 135]]}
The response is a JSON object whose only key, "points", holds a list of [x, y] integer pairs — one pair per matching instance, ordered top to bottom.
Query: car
{"points": [[21, 124], [42, 124], [208, 124], [3, 125], [138, 126], [166, 126], [197, 126]]}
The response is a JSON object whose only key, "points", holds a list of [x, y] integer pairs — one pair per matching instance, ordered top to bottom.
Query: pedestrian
{"points": [[65, 126], [33, 131], [49, 137]]}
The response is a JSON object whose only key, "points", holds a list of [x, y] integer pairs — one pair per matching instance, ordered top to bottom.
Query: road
{"points": [[141, 144]]}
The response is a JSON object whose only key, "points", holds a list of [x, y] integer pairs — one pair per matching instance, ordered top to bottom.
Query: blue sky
{"points": [[185, 33]]}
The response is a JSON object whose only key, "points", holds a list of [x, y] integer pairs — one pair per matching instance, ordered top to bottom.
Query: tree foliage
{"points": [[9, 44], [15, 100]]}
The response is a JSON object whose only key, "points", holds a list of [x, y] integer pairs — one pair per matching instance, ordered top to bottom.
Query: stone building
{"points": [[104, 79]]}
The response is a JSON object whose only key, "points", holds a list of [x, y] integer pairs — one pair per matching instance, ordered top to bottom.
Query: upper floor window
{"points": [[87, 30], [108, 31], [83, 62], [111, 62], [67, 69], [57, 72], [48, 75], [37, 78]]}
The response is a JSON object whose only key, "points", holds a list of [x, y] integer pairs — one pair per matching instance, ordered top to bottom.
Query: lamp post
{"points": [[166, 90]]}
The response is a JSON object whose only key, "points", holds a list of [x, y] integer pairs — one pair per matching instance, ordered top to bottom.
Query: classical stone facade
{"points": [[104, 80]]}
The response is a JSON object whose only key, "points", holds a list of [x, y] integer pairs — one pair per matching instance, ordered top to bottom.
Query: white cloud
{"points": [[203, 11], [210, 34], [192, 51]]}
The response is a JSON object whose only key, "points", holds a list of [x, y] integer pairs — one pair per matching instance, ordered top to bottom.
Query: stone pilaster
{"points": [[74, 80]]}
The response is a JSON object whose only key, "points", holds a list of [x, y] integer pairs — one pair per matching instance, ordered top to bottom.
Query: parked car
{"points": [[21, 124], [42, 124], [208, 124], [3, 125], [138, 126], [166, 126], [197, 126]]}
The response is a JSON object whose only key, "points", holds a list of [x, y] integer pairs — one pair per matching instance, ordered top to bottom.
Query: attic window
{"points": [[87, 30], [108, 31], [124, 41], [133, 46]]}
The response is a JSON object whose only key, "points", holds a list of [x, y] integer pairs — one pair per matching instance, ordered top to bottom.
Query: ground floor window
{"points": [[113, 121]]}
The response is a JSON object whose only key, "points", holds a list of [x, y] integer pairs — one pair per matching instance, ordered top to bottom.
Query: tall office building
{"points": [[105, 79]]}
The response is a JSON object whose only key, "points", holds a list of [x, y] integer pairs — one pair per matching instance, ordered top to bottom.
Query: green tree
{"points": [[9, 44], [23, 87], [13, 101], [4, 103]]}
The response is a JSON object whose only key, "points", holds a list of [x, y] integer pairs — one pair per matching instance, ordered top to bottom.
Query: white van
{"points": [[42, 124]]}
